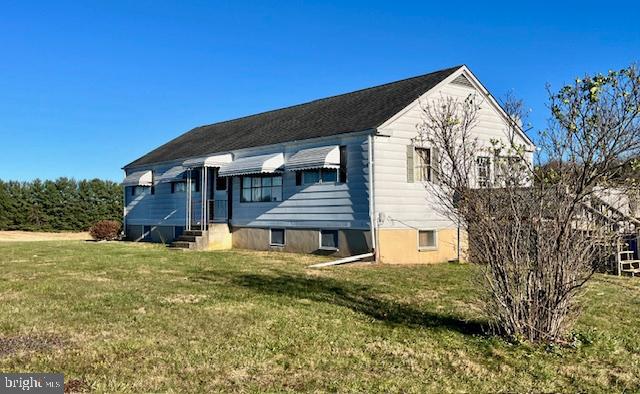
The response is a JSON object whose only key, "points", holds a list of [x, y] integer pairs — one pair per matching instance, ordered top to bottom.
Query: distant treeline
{"points": [[63, 204]]}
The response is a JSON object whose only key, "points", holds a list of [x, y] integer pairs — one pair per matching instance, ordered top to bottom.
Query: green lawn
{"points": [[125, 317]]}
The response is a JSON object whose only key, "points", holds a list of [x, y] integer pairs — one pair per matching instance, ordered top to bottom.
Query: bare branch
{"points": [[541, 232]]}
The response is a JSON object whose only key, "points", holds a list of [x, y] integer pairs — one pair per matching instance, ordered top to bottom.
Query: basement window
{"points": [[277, 237], [329, 239], [427, 239]]}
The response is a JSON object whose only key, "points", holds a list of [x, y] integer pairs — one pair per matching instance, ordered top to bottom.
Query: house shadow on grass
{"points": [[357, 298]]}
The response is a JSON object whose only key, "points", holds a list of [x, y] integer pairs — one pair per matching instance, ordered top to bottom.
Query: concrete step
{"points": [[197, 233], [187, 238], [192, 240], [183, 245]]}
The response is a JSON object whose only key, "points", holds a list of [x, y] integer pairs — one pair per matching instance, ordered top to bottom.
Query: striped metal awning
{"points": [[321, 157], [208, 161], [253, 165], [173, 174], [138, 178]]}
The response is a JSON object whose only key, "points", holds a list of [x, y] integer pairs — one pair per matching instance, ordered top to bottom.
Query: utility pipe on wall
{"points": [[202, 188], [188, 198], [124, 207], [372, 219]]}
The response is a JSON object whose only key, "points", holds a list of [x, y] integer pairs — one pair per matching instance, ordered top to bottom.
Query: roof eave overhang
{"points": [[182, 160]]}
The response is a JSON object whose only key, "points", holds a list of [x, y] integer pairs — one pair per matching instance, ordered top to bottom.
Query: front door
{"points": [[220, 199]]}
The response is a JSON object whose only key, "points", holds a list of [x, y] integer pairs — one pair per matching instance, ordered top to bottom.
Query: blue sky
{"points": [[86, 87]]}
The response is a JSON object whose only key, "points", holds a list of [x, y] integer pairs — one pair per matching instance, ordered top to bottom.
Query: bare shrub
{"points": [[536, 229], [105, 230]]}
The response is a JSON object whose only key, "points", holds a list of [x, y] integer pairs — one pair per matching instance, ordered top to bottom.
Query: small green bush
{"points": [[105, 230]]}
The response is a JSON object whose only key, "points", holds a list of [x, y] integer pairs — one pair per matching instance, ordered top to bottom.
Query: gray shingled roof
{"points": [[356, 111]]}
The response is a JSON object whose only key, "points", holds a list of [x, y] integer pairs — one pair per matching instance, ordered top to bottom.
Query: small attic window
{"points": [[462, 80]]}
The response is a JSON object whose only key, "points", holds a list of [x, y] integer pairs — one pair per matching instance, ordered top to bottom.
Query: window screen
{"points": [[423, 164], [320, 175], [261, 188], [277, 236], [329, 239], [426, 239]]}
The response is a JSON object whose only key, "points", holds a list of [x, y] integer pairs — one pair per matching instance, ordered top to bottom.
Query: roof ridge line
{"points": [[328, 97], [324, 116]]}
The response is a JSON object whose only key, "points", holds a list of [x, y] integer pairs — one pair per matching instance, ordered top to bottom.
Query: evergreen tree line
{"points": [[57, 205]]}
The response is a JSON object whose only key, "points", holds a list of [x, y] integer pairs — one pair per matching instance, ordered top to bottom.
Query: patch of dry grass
{"points": [[27, 236], [135, 318]]}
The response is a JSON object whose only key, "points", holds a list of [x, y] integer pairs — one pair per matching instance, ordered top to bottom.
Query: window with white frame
{"points": [[423, 168], [484, 171], [261, 188], [277, 237], [427, 239]]}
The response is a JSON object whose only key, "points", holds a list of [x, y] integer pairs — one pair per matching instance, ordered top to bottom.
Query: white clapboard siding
{"points": [[398, 203]]}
